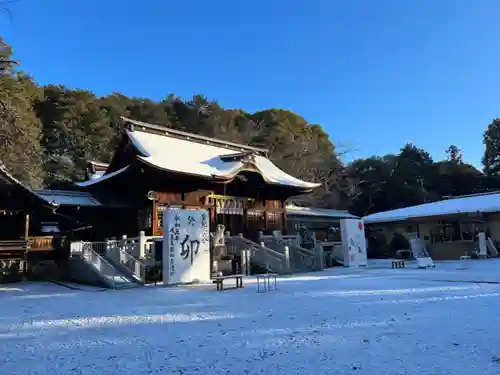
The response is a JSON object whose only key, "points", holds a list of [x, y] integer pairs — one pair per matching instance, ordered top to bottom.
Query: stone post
{"points": [[142, 244], [286, 252], [116, 253], [264, 253], [321, 254], [249, 261], [245, 262]]}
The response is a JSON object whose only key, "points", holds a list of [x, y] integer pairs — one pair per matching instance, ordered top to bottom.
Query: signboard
{"points": [[353, 242], [186, 246]]}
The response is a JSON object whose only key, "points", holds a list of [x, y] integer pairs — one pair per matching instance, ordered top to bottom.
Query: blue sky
{"points": [[375, 73]]}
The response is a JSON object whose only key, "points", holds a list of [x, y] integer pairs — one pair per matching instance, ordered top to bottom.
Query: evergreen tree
{"points": [[20, 129], [491, 140]]}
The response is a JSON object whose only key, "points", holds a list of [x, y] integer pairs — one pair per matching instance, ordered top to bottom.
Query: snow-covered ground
{"points": [[340, 321]]}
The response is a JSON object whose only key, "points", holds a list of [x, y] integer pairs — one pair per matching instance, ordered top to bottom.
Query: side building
{"points": [[36, 227], [449, 227]]}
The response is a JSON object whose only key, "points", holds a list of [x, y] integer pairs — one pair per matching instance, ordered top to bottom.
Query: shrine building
{"points": [[155, 167]]}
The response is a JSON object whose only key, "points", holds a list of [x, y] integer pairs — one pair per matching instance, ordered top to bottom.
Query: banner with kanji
{"points": [[353, 242], [186, 246]]}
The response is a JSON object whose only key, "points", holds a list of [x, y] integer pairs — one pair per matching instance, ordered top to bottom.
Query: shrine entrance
{"points": [[230, 212]]}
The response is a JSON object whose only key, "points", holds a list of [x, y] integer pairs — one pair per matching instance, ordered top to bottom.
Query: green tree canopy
{"points": [[47, 135]]}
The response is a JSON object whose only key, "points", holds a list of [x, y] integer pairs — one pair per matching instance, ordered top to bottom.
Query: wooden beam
{"points": [[154, 219], [284, 221]]}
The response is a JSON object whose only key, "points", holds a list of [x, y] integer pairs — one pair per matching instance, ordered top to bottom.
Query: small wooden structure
{"points": [[36, 226]]}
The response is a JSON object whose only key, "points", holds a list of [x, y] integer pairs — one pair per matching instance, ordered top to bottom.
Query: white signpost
{"points": [[353, 242], [186, 246]]}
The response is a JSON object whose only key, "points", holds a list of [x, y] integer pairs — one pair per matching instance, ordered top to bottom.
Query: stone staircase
{"points": [[278, 254], [259, 255], [301, 259], [90, 263]]}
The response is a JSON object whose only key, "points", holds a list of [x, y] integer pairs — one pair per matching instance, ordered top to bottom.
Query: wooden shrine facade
{"points": [[155, 168], [237, 214]]}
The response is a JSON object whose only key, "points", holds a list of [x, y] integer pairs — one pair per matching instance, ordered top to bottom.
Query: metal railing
{"points": [[141, 246], [93, 258]]}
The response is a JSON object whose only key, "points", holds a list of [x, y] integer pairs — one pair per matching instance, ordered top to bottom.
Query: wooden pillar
{"points": [[265, 215], [245, 217], [154, 219], [284, 223], [27, 227], [25, 267]]}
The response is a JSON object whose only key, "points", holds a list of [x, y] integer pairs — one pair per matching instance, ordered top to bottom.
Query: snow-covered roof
{"points": [[138, 125], [181, 152], [207, 160], [103, 177], [8, 178], [68, 198], [489, 202], [319, 212]]}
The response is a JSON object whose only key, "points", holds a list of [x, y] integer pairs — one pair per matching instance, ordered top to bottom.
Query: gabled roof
{"points": [[173, 133], [191, 154], [7, 178], [52, 198], [482, 203], [293, 210]]}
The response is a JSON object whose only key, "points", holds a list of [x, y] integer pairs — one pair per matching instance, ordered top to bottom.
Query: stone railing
{"points": [[141, 247], [260, 254], [301, 259]]}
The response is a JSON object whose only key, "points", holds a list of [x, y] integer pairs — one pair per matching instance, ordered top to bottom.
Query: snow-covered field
{"points": [[340, 321]]}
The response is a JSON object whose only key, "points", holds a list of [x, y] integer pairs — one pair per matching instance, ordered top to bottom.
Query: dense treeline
{"points": [[47, 133]]}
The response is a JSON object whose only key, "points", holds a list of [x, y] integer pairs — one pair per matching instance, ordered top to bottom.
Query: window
{"points": [[160, 213], [255, 215], [273, 218], [144, 219], [50, 227]]}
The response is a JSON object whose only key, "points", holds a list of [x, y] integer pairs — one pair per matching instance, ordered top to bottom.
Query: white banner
{"points": [[353, 242], [186, 246]]}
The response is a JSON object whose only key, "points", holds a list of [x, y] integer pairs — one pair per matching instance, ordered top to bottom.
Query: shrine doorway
{"points": [[230, 212]]}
